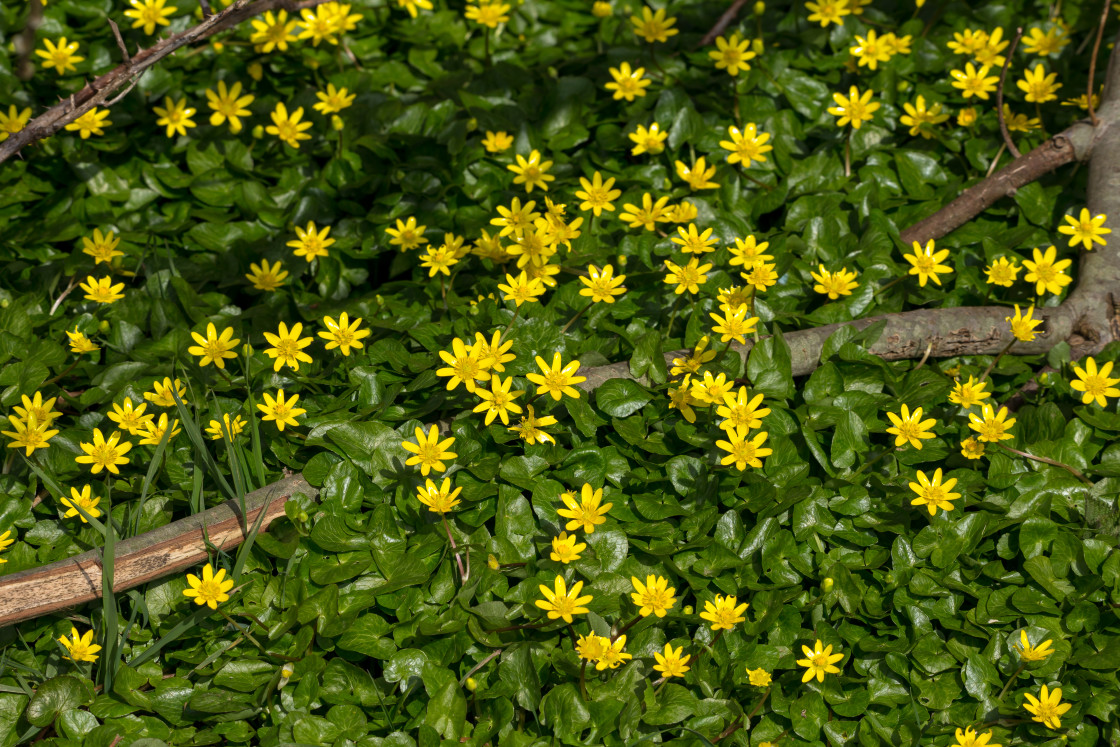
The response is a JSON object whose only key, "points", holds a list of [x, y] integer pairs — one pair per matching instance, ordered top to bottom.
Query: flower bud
{"points": [[759, 8], [601, 9], [758, 46], [312, 63], [256, 72], [902, 85], [336, 122], [472, 124], [258, 132], [621, 260], [4, 303], [103, 327], [246, 350], [302, 516], [492, 562], [827, 585], [687, 609], [286, 672], [472, 684]]}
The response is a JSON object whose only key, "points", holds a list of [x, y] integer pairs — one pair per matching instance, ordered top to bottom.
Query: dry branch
{"points": [[722, 24], [98, 92]]}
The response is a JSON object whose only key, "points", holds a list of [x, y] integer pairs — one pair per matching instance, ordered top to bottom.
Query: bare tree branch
{"points": [[723, 22], [999, 95]]}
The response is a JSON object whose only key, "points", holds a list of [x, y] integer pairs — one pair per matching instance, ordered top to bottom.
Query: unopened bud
{"points": [[759, 8], [601, 9], [758, 46], [256, 72], [336, 122], [258, 132], [621, 260], [103, 327], [302, 516], [493, 563], [827, 584], [687, 609], [472, 684]]}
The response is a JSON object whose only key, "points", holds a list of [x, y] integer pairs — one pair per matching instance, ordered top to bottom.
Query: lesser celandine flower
{"points": [[412, 5], [601, 9], [828, 11], [148, 14], [488, 14], [654, 26], [274, 32], [1045, 43], [870, 49], [731, 54], [62, 56], [973, 82], [628, 84], [1039, 86], [333, 100], [228, 103], [855, 108], [175, 116], [920, 118], [13, 121], [92, 122], [1019, 122], [288, 127], [650, 141], [497, 142], [746, 145], [532, 171], [698, 175], [517, 218], [1085, 229], [407, 234], [691, 241], [102, 247], [749, 251], [926, 263], [1002, 272], [761, 276], [266, 277], [688, 277], [834, 284], [601, 285], [521, 289], [102, 290], [734, 324], [1022, 325], [343, 333], [80, 344], [287, 347], [214, 348], [691, 365], [556, 380], [1095, 385], [710, 389], [163, 392], [968, 393], [680, 398], [499, 401], [38, 407], [280, 411], [741, 412], [129, 418], [991, 426], [530, 427], [229, 428], [910, 428], [153, 430], [29, 434], [971, 448], [428, 451], [743, 451], [101, 454], [932, 493], [83, 500], [439, 500], [586, 513], [5, 542], [566, 549], [211, 589], [654, 597], [560, 602], [725, 613], [591, 646], [80, 647], [1027, 652], [613, 655], [819, 661], [671, 663], [759, 677], [1047, 707], [969, 738]]}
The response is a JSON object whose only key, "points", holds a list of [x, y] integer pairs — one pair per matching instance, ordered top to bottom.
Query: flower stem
{"points": [[848, 152], [891, 284], [516, 313], [577, 316], [988, 370], [1072, 470], [463, 574], [619, 633], [709, 647], [583, 680], [1009, 681]]}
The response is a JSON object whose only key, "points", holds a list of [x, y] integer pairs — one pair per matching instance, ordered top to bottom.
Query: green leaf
{"points": [[769, 368], [621, 398], [57, 696]]}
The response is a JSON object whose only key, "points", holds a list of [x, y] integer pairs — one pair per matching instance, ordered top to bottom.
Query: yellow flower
{"points": [[412, 5], [600, 9], [828, 11], [149, 14], [488, 14], [324, 25], [654, 27], [274, 32], [1045, 43], [871, 49], [989, 53], [732, 54], [61, 57], [974, 83], [628, 84], [1039, 86], [334, 100], [228, 103], [855, 108], [175, 116], [917, 116], [967, 116], [14, 121], [92, 122], [1019, 122], [288, 128], [650, 141], [497, 142], [746, 145], [532, 172], [698, 175], [648, 215], [516, 219], [1086, 229], [407, 235], [692, 241], [103, 247], [748, 252], [927, 263], [1002, 272], [1047, 274], [761, 276], [266, 277], [688, 277], [834, 284], [601, 285], [521, 289], [102, 290], [734, 325], [1022, 325], [343, 334], [79, 343], [287, 347], [214, 348], [495, 354], [691, 365], [557, 379], [1095, 385], [711, 390], [163, 393], [969, 393], [681, 399], [499, 401], [39, 408], [280, 411], [741, 412], [130, 419], [991, 426], [910, 427], [228, 428], [529, 429], [153, 431], [971, 448], [428, 451], [742, 451], [102, 454], [932, 493], [82, 500], [438, 500], [587, 513], [5, 543], [565, 549], [211, 589], [654, 597], [560, 602], [724, 614], [80, 647], [590, 647], [1027, 652], [613, 655], [818, 662], [671, 663], [759, 677], [1047, 707], [969, 738]]}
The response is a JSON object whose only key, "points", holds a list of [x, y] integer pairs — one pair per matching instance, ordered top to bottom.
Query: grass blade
{"points": [[190, 425], [153, 467]]}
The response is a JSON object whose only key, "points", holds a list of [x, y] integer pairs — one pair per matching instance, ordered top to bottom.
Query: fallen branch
{"points": [[97, 93]]}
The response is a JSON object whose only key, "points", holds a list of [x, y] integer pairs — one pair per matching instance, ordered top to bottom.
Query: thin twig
{"points": [[206, 11], [723, 22], [120, 41], [25, 42], [1093, 64], [999, 94], [116, 99], [58, 301], [922, 362], [1072, 470], [479, 666]]}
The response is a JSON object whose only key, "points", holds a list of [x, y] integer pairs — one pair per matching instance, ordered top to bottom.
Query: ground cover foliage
{"points": [[355, 620]]}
